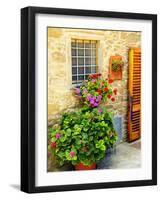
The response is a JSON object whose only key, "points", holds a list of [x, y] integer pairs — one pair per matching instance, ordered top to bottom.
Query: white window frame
{"points": [[83, 36], [93, 67]]}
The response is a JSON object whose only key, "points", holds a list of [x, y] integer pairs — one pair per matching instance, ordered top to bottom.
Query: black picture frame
{"points": [[28, 98]]}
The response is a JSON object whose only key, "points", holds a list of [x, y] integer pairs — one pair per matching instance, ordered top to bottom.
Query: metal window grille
{"points": [[84, 59]]}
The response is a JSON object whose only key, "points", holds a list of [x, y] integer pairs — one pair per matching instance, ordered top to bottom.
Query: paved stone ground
{"points": [[125, 155]]}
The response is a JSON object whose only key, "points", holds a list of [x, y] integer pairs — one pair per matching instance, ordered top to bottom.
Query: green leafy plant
{"points": [[117, 65], [85, 135], [82, 137]]}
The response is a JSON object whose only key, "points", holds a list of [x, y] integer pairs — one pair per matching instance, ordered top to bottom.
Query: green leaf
{"points": [[85, 129], [68, 131], [76, 133], [85, 136], [91, 138], [53, 139], [63, 139], [102, 147], [74, 162]]}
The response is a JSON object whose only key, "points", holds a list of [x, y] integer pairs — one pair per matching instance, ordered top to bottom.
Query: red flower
{"points": [[99, 74], [94, 76], [110, 81], [106, 89], [99, 91], [115, 91], [109, 96], [113, 99], [58, 135], [53, 145]]}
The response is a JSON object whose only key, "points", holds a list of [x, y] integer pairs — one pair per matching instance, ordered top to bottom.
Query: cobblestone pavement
{"points": [[124, 155]]}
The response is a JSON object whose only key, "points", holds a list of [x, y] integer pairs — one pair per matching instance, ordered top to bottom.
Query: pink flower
{"points": [[93, 81], [77, 90], [85, 91], [89, 97], [99, 97], [97, 100], [92, 102], [95, 104], [100, 110], [58, 135], [72, 154]]}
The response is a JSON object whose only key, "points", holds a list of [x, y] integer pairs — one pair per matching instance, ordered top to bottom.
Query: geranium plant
{"points": [[95, 90], [82, 136]]}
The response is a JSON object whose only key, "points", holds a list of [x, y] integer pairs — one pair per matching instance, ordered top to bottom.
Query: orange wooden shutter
{"points": [[134, 112]]}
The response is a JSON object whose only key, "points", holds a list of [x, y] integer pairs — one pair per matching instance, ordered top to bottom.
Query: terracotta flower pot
{"points": [[115, 75], [81, 166]]}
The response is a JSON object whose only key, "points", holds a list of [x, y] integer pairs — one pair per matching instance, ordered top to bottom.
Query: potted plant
{"points": [[117, 65], [83, 137]]}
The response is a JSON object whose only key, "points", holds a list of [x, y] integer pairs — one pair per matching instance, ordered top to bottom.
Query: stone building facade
{"points": [[60, 88]]}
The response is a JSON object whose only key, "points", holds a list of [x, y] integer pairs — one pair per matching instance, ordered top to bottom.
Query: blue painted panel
{"points": [[117, 122]]}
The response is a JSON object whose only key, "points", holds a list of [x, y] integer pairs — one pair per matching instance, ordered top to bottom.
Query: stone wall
{"points": [[110, 43]]}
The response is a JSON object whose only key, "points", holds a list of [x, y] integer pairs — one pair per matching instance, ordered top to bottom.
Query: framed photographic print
{"points": [[88, 99]]}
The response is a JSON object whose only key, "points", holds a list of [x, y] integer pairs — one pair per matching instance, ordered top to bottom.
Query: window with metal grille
{"points": [[84, 59]]}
